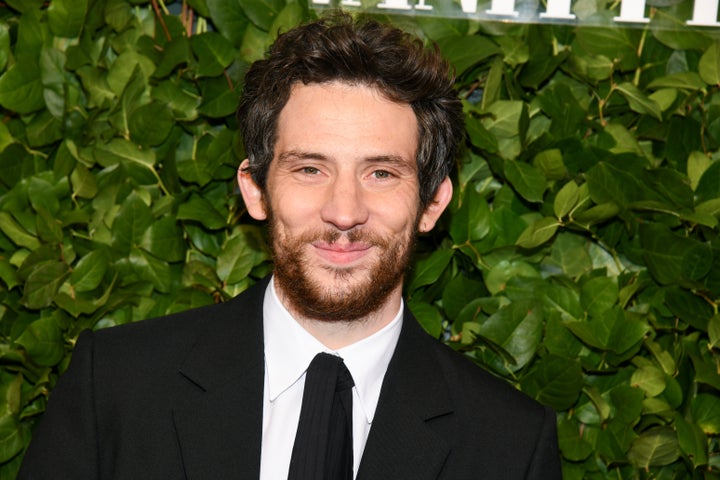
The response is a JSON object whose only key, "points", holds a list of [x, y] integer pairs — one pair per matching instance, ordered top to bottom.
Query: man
{"points": [[350, 130]]}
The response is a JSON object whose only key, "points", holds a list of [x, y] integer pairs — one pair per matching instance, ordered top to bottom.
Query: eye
{"points": [[310, 170], [381, 174]]}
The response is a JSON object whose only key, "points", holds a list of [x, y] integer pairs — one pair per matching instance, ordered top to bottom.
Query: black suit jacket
{"points": [[180, 397]]}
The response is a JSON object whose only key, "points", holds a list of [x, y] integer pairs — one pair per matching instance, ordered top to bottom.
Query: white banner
{"points": [[628, 13]]}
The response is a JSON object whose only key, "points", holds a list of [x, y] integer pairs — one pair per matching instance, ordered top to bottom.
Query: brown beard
{"points": [[346, 300]]}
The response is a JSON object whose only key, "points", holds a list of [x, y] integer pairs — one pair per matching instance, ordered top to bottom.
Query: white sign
{"points": [[705, 12]]}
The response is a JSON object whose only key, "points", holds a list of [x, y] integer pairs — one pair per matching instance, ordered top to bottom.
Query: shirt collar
{"points": [[289, 349]]}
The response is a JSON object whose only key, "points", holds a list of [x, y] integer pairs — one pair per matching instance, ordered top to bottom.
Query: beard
{"points": [[354, 292]]}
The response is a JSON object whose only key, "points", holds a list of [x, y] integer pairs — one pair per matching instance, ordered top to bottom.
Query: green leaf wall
{"points": [[579, 259]]}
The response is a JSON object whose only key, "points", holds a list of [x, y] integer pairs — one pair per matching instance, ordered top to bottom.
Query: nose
{"points": [[345, 204]]}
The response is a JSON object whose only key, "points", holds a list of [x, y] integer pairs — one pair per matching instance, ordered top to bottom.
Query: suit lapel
{"points": [[219, 422], [403, 443]]}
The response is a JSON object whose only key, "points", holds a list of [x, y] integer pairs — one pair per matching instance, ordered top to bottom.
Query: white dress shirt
{"points": [[289, 349]]}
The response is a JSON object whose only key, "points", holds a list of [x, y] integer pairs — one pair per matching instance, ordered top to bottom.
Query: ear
{"points": [[252, 194], [436, 206]]}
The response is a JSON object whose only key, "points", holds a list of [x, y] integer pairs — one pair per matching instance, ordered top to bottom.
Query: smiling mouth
{"points": [[342, 254]]}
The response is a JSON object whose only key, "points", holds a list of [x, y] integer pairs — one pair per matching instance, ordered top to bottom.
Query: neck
{"points": [[337, 334]]}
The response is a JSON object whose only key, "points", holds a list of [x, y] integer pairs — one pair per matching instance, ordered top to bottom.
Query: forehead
{"points": [[346, 120]]}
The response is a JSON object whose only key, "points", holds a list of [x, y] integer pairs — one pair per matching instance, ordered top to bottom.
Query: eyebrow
{"points": [[300, 155], [392, 160]]}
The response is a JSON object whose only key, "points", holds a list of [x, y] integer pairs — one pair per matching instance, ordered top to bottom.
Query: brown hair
{"points": [[338, 48]]}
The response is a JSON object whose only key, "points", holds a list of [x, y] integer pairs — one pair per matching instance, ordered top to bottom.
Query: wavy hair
{"points": [[339, 48]]}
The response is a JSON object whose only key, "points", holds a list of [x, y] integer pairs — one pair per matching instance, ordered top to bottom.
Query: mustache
{"points": [[332, 236]]}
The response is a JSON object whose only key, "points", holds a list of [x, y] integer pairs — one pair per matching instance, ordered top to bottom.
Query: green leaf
{"points": [[25, 5], [262, 13], [66, 17], [229, 18], [615, 43], [464, 52], [175, 53], [214, 53], [709, 67], [124, 69], [681, 80], [21, 89], [219, 100], [638, 101], [182, 103], [567, 115], [504, 119], [150, 124], [480, 136], [121, 151], [550, 163], [697, 164], [526, 179], [83, 182], [610, 183], [708, 187], [566, 199], [200, 210], [597, 214], [132, 221], [471, 222], [48, 227], [538, 233], [19, 236], [164, 239], [664, 252], [570, 253], [236, 260], [696, 262], [429, 269], [152, 270], [89, 271], [8, 274], [498, 277], [42, 283], [459, 292], [598, 295], [79, 303], [691, 308], [427, 316], [516, 328], [615, 331], [714, 331], [43, 341], [649, 379], [554, 381], [628, 403], [706, 413], [13, 437], [692, 440], [573, 444], [656, 447]]}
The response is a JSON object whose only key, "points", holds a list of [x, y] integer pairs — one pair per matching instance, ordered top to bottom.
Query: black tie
{"points": [[323, 446]]}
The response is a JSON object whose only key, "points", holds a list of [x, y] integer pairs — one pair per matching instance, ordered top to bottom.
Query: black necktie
{"points": [[323, 446]]}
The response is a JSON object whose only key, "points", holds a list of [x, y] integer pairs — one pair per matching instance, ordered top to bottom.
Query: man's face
{"points": [[342, 200]]}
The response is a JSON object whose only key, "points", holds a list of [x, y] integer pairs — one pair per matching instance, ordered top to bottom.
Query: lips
{"points": [[342, 253]]}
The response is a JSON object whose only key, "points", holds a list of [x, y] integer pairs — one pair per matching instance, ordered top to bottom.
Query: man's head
{"points": [[362, 53], [350, 132]]}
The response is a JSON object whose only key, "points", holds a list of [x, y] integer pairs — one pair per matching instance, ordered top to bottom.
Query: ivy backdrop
{"points": [[580, 258]]}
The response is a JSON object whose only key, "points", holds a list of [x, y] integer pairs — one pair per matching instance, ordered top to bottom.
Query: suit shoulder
{"points": [[189, 321], [173, 334], [477, 384]]}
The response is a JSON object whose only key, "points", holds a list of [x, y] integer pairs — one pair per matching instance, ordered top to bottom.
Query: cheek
{"points": [[293, 210], [398, 215]]}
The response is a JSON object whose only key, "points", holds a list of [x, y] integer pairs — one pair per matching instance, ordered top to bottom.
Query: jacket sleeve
{"points": [[64, 444], [545, 463]]}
